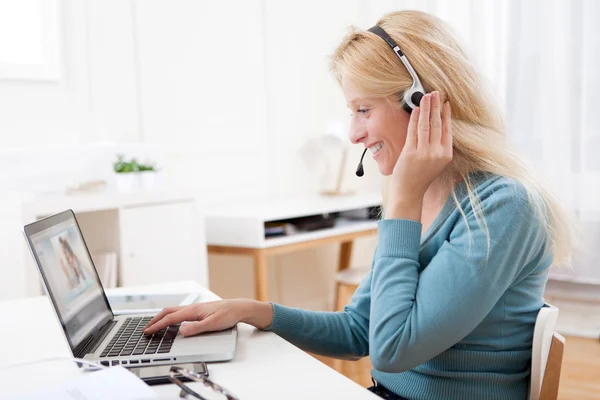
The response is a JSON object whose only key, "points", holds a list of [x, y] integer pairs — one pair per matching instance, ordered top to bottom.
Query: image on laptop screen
{"points": [[71, 279]]}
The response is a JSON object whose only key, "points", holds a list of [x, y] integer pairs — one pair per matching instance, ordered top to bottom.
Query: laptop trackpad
{"points": [[206, 343]]}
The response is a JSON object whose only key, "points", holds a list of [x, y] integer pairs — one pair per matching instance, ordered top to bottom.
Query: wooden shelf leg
{"points": [[345, 255], [343, 263], [261, 282]]}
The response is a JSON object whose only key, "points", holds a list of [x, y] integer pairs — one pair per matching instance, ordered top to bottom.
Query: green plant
{"points": [[121, 166], [146, 167]]}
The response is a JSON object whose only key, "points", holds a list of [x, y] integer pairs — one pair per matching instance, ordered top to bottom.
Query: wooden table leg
{"points": [[345, 255], [344, 262], [261, 275]]}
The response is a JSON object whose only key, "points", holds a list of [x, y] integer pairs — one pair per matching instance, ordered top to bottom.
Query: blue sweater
{"points": [[447, 315]]}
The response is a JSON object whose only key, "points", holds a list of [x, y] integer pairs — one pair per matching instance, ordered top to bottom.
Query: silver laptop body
{"points": [[92, 330]]}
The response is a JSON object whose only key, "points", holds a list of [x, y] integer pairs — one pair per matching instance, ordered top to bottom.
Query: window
{"points": [[29, 40]]}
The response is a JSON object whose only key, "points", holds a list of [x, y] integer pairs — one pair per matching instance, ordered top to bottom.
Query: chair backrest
{"points": [[543, 335], [551, 380]]}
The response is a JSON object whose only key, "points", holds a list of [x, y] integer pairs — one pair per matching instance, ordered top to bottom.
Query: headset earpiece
{"points": [[412, 97], [416, 98], [411, 100]]}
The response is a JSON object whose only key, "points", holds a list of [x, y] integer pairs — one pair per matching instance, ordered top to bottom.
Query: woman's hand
{"points": [[427, 151], [212, 316]]}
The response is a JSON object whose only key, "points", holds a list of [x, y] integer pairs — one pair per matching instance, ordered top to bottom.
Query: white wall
{"points": [[157, 72], [113, 79], [202, 91], [302, 96], [49, 113]]}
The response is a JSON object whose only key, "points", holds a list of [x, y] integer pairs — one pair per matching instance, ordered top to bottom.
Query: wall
{"points": [[145, 72], [202, 90], [51, 113]]}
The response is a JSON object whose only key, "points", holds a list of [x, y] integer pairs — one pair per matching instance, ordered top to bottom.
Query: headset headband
{"points": [[412, 97]]}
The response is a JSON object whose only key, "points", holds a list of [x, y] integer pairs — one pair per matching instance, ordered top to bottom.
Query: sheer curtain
{"points": [[552, 81]]}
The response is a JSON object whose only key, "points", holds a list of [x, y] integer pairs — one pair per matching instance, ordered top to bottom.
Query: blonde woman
{"points": [[447, 310]]}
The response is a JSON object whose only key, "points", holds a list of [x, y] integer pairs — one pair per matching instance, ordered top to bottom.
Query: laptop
{"points": [[92, 330]]}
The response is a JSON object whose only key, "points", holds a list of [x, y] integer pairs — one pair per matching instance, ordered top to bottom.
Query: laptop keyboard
{"points": [[131, 341]]}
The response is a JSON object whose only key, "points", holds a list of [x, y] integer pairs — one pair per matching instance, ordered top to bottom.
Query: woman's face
{"points": [[379, 125]]}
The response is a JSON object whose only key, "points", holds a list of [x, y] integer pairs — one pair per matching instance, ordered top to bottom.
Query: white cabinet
{"points": [[158, 236], [159, 243]]}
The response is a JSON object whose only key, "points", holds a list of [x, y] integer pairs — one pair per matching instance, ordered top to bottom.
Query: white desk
{"points": [[239, 229], [264, 367]]}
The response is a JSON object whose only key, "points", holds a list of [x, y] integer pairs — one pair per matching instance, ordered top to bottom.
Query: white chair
{"points": [[346, 282], [546, 357]]}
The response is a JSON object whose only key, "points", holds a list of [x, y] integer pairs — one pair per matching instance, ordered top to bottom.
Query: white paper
{"points": [[115, 383]]}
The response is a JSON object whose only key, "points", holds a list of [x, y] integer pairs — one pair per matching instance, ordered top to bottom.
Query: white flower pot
{"points": [[147, 179], [127, 182]]}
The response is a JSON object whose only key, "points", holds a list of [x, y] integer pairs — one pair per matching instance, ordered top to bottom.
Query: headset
{"points": [[412, 97]]}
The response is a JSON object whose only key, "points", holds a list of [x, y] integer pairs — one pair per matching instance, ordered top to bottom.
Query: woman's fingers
{"points": [[425, 107], [435, 119], [413, 129], [446, 139], [188, 313], [161, 314], [194, 328]]}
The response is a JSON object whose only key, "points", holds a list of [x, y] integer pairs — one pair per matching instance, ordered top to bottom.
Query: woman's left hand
{"points": [[426, 153]]}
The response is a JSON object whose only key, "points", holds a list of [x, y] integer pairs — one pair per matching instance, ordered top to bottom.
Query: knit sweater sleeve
{"points": [[414, 317], [335, 334]]}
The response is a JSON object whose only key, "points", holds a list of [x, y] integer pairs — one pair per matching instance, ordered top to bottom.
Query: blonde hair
{"points": [[479, 140]]}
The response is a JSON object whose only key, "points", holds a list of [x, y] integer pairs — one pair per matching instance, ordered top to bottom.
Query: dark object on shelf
{"points": [[320, 221], [312, 222], [274, 229]]}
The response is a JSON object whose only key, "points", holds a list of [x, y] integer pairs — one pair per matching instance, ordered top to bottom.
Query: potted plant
{"points": [[147, 174], [132, 176], [126, 178]]}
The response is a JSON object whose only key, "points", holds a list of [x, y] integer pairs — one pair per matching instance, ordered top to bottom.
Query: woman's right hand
{"points": [[212, 316]]}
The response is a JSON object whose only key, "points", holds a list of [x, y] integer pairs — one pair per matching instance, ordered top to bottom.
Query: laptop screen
{"points": [[70, 277]]}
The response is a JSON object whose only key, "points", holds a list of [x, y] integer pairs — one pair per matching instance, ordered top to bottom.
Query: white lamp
{"points": [[336, 137], [327, 146]]}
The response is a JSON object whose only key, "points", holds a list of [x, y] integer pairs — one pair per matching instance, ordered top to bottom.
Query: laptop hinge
{"points": [[93, 340]]}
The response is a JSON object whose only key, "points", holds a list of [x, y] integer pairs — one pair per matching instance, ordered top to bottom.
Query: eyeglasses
{"points": [[193, 376]]}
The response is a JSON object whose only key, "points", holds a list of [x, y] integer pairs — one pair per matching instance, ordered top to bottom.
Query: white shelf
{"points": [[51, 204], [292, 207], [242, 224], [341, 228]]}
